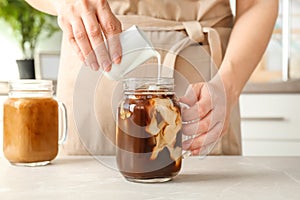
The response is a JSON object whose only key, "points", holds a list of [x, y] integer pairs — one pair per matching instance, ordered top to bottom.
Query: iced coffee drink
{"points": [[30, 123], [30, 130], [149, 132]]}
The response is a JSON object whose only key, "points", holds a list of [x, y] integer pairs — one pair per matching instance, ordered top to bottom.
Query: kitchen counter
{"points": [[278, 87], [282, 87], [210, 178]]}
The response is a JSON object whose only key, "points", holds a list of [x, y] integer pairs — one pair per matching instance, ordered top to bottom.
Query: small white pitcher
{"points": [[136, 49]]}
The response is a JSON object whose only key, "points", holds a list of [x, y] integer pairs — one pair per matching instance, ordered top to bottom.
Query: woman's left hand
{"points": [[207, 118]]}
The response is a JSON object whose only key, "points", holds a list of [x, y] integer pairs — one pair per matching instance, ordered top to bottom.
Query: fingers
{"points": [[108, 21], [111, 27], [85, 28], [67, 29], [94, 32], [94, 35], [83, 43], [115, 49], [192, 94], [200, 101], [205, 105], [198, 111], [199, 127], [204, 141]]}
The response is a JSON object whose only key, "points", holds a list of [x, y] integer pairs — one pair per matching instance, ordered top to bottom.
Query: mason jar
{"points": [[31, 123], [149, 130]]}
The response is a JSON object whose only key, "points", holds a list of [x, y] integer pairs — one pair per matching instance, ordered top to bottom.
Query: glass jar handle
{"points": [[62, 123]]}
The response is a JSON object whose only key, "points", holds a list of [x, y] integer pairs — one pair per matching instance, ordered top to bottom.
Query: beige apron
{"points": [[208, 22]]}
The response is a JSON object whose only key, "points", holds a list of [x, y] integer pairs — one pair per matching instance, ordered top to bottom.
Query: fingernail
{"points": [[116, 58], [106, 65], [95, 66]]}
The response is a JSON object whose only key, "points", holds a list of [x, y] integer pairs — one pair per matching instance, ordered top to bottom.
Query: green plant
{"points": [[27, 24]]}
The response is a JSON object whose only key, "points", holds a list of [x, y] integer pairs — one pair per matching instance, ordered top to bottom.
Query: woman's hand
{"points": [[86, 24], [212, 102], [207, 118]]}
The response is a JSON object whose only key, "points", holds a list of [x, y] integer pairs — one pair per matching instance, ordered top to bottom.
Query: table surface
{"points": [[85, 177]]}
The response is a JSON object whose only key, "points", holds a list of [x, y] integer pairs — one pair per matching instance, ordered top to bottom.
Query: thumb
{"points": [[192, 94]]}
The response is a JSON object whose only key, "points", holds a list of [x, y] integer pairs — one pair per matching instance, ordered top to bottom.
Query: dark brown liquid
{"points": [[135, 145]]}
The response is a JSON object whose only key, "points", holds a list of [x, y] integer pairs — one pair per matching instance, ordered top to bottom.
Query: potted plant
{"points": [[27, 24]]}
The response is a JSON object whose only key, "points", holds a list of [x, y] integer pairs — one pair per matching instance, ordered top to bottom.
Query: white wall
{"points": [[10, 51]]}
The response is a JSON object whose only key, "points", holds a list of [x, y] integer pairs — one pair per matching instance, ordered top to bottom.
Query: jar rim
{"points": [[158, 79], [30, 81], [148, 84], [30, 88]]}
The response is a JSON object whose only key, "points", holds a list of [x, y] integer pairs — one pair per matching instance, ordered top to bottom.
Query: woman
{"points": [[86, 23]]}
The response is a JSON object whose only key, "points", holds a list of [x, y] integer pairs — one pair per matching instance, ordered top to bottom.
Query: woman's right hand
{"points": [[86, 23]]}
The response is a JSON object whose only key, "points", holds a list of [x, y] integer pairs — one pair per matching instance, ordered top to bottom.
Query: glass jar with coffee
{"points": [[31, 123], [149, 130]]}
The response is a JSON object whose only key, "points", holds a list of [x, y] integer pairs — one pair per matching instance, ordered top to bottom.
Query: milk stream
{"points": [[159, 64]]}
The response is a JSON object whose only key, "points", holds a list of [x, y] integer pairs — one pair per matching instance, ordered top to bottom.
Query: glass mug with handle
{"points": [[32, 123], [149, 131]]}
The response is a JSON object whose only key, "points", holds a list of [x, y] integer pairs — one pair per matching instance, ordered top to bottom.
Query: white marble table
{"points": [[212, 178]]}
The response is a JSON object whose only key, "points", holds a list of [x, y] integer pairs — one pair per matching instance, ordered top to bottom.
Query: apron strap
{"points": [[194, 30], [196, 35], [215, 46], [170, 57]]}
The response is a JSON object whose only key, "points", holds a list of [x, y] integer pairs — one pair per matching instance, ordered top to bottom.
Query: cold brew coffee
{"points": [[149, 134]]}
